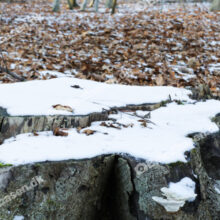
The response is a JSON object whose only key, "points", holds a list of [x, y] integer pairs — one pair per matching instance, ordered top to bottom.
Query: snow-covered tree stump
{"points": [[113, 159]]}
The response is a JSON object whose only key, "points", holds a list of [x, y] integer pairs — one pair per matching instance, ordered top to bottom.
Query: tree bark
{"points": [[215, 5], [56, 6]]}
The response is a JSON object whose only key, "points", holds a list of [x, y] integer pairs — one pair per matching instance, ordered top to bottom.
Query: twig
{"points": [[5, 69], [14, 75], [133, 115], [142, 117]]}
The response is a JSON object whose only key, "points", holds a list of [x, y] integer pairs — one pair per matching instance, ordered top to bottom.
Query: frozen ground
{"points": [[140, 45]]}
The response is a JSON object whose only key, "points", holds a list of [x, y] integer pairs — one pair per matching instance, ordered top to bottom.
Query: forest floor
{"points": [[177, 45], [155, 48]]}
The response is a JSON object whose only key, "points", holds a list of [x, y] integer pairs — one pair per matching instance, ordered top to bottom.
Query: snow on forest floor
{"points": [[139, 45]]}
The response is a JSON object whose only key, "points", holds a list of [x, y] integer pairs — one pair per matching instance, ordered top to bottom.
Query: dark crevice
{"points": [[1, 124], [52, 126], [210, 153], [133, 197], [108, 209]]}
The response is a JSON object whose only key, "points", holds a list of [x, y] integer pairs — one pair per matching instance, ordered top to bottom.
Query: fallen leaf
{"points": [[193, 63], [97, 77], [159, 80], [63, 107], [144, 124], [110, 125], [78, 129], [58, 132], [88, 132]]}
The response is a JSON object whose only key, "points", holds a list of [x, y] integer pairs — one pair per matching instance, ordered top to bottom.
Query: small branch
{"points": [[6, 70], [14, 75]]}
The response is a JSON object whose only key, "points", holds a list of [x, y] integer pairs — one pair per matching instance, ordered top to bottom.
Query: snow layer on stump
{"points": [[83, 96], [165, 140]]}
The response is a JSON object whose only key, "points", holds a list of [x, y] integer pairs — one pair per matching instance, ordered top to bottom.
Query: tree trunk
{"points": [[114, 3], [72, 4], [109, 4], [215, 5], [56, 6], [83, 7]]}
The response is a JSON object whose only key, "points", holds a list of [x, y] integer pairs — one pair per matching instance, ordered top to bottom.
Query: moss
{"points": [[179, 102], [164, 103], [216, 120], [193, 151], [176, 164], [5, 165], [37, 165], [51, 202], [52, 205]]}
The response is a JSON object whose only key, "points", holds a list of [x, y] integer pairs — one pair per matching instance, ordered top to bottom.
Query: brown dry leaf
{"points": [[84, 33], [138, 46], [66, 47], [193, 63], [50, 67], [84, 67], [105, 67], [216, 73], [172, 74], [80, 75], [141, 76], [97, 77], [159, 80], [111, 81], [213, 89], [63, 107], [141, 120], [103, 124], [144, 124], [110, 125], [78, 129], [58, 132], [88, 132]]}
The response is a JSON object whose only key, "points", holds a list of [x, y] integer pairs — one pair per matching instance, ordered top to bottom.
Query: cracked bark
{"points": [[14, 125]]}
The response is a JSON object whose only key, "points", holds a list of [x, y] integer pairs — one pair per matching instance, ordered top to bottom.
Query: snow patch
{"points": [[37, 97], [162, 139], [217, 186], [177, 194], [18, 217]]}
